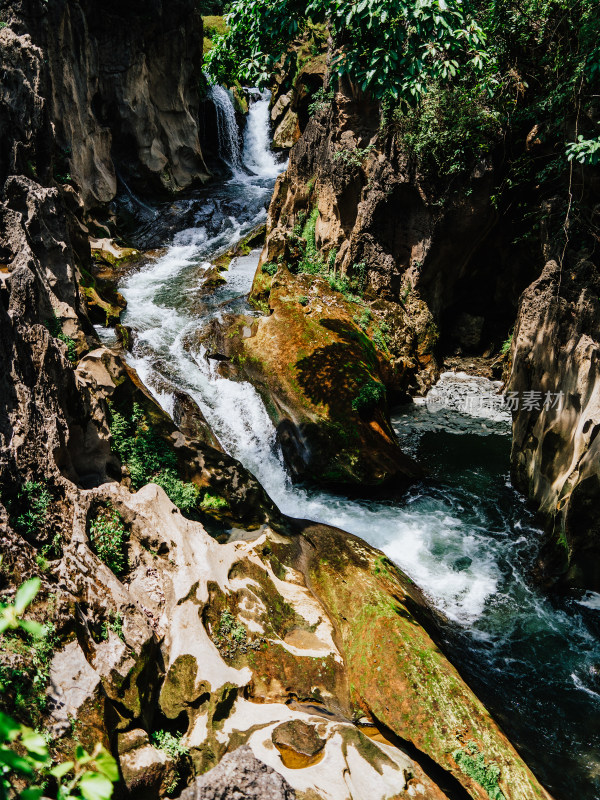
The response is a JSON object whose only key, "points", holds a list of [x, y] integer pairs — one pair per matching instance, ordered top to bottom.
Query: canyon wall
{"points": [[443, 271]]}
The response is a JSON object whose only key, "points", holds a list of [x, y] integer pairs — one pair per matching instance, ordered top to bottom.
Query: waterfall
{"points": [[227, 128], [259, 159]]}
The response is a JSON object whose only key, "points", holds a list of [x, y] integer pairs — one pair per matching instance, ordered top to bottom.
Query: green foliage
{"points": [[388, 47], [320, 100], [450, 131], [585, 151], [353, 157], [269, 267], [303, 299], [363, 320], [54, 325], [506, 346], [369, 396], [149, 458], [185, 495], [34, 498], [212, 502], [108, 538], [11, 613], [114, 623], [25, 654], [173, 747], [24, 756], [472, 763]]}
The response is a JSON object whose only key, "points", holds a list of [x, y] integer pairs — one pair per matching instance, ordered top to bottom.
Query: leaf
{"points": [[26, 594], [34, 628], [9, 728], [34, 743], [16, 762], [107, 765], [60, 770], [94, 786], [31, 793]]}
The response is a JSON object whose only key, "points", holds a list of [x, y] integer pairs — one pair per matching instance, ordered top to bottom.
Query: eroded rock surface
{"points": [[555, 455]]}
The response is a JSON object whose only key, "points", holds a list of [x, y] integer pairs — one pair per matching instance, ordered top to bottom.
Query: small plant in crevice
{"points": [[321, 99], [353, 157], [270, 268], [303, 300], [55, 328], [505, 349], [369, 396], [149, 458], [33, 501], [212, 502], [108, 537], [114, 623], [231, 637], [173, 747], [472, 763]]}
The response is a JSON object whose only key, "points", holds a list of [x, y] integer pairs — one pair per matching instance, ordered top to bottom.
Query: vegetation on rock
{"points": [[149, 458]]}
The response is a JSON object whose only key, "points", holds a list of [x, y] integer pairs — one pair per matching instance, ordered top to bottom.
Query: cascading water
{"points": [[227, 128], [258, 156], [466, 538]]}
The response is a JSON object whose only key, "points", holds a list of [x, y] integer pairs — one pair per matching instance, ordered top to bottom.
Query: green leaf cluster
{"points": [[387, 47], [369, 396], [149, 458], [108, 537], [24, 755]]}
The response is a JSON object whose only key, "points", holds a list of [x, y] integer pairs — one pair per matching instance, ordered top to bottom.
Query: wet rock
{"points": [[323, 382], [299, 737], [240, 775]]}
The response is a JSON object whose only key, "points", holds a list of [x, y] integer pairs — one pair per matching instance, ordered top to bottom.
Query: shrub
{"points": [[269, 267], [54, 325], [369, 396], [149, 458], [34, 498], [211, 502], [108, 537], [172, 746]]}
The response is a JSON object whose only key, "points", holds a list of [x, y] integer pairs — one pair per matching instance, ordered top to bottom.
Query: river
{"points": [[464, 535]]}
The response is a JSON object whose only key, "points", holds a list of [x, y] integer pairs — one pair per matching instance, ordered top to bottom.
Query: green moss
{"points": [[473, 764]]}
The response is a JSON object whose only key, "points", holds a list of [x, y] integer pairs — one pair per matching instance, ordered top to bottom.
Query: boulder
{"points": [[240, 776]]}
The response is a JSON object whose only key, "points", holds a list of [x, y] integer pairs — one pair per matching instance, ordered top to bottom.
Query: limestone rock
{"points": [[556, 452], [144, 767], [240, 776]]}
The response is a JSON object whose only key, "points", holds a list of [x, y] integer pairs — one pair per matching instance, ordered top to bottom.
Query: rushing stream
{"points": [[464, 536]]}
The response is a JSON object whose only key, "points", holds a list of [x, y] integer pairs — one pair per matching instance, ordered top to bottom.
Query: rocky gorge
{"points": [[257, 577]]}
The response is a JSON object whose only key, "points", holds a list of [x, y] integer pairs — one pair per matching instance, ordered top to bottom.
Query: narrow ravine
{"points": [[464, 536]]}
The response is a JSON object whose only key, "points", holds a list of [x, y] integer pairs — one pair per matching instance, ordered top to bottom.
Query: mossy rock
{"points": [[312, 364]]}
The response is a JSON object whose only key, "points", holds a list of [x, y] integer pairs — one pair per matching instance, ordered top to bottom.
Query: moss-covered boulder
{"points": [[323, 380]]}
